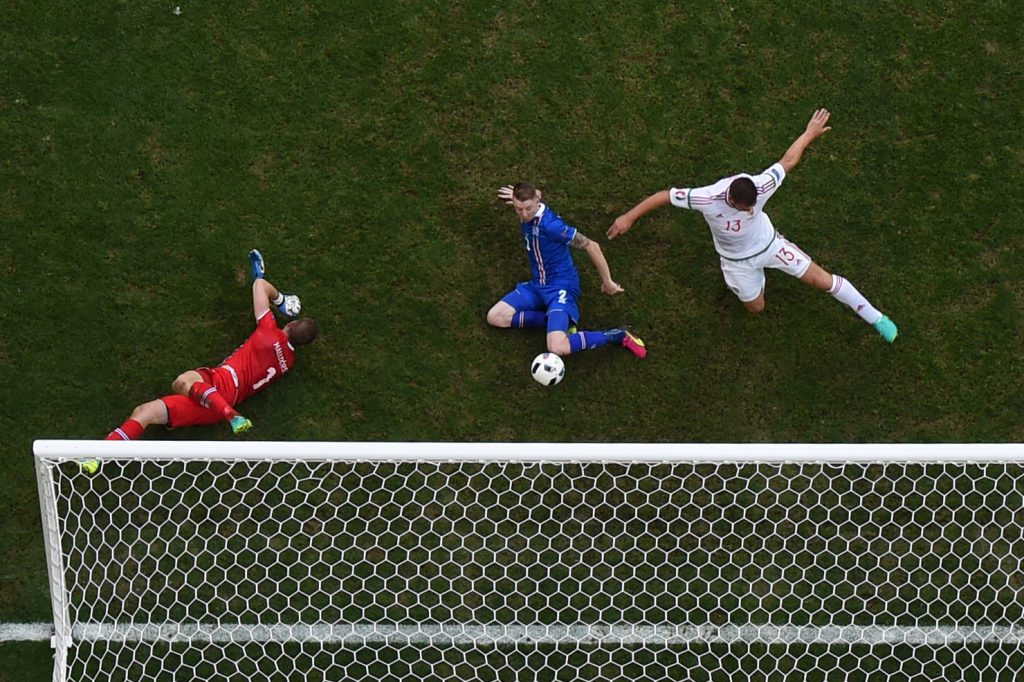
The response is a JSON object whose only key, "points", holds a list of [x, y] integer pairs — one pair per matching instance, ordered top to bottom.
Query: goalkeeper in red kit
{"points": [[209, 394]]}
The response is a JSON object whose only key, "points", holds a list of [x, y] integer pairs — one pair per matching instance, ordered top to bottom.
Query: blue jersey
{"points": [[547, 241]]}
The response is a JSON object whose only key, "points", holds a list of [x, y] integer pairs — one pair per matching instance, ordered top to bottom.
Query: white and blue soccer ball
{"points": [[292, 306], [547, 369]]}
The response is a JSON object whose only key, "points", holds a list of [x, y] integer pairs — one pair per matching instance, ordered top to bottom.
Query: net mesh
{"points": [[491, 570]]}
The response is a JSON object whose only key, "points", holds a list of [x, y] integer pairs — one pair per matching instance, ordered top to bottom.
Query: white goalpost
{"points": [[533, 561]]}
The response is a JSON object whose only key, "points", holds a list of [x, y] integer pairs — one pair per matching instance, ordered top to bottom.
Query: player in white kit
{"points": [[745, 238]]}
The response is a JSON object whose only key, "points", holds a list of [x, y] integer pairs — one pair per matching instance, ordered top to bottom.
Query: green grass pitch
{"points": [[359, 145]]}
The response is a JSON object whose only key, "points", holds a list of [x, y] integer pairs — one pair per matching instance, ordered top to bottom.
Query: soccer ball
{"points": [[292, 306], [548, 369]]}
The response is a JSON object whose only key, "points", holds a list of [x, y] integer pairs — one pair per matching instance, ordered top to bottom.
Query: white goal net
{"points": [[535, 562]]}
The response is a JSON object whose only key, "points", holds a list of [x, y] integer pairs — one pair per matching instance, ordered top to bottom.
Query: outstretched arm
{"points": [[816, 127], [626, 220], [593, 250], [263, 292], [265, 295]]}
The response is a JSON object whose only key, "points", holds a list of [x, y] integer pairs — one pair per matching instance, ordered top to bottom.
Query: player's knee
{"points": [[818, 277], [756, 306], [500, 316], [182, 384], [153, 412]]}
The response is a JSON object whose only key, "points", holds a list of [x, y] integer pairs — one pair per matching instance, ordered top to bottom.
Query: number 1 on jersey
{"points": [[271, 373]]}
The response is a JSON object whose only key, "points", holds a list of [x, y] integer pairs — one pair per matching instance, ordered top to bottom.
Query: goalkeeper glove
{"points": [[289, 304]]}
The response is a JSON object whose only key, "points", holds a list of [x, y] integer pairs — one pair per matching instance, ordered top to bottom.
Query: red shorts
{"points": [[183, 411]]}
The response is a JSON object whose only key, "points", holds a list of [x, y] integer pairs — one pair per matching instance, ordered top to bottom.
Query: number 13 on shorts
{"points": [[790, 259]]}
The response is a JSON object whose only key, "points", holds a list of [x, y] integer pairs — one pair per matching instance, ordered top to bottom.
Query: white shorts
{"points": [[745, 278]]}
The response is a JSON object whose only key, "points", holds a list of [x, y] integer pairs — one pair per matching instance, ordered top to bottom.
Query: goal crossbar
{"points": [[534, 452]]}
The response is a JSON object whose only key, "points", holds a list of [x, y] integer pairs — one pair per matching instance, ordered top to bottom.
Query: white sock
{"points": [[844, 291]]}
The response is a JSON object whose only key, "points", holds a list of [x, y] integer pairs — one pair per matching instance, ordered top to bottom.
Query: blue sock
{"points": [[529, 318], [616, 335], [587, 340]]}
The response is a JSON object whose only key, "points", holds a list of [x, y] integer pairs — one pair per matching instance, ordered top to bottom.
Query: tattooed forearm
{"points": [[579, 241]]}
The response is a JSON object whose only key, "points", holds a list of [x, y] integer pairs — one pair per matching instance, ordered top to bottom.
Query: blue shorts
{"points": [[551, 299]]}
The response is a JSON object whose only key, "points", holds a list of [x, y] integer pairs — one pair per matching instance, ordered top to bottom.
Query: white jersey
{"points": [[737, 234]]}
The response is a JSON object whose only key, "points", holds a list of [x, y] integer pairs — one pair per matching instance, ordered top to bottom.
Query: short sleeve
{"points": [[768, 181], [680, 197], [692, 198], [560, 231], [266, 321]]}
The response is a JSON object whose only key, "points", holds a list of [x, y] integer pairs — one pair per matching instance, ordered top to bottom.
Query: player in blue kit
{"points": [[549, 298]]}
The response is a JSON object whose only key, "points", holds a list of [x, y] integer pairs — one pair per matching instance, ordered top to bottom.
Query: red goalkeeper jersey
{"points": [[264, 357]]}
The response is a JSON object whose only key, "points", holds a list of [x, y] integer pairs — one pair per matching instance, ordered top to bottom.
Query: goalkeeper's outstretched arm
{"points": [[263, 294], [266, 296]]}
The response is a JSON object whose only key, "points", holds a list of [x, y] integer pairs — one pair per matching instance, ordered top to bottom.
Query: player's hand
{"points": [[817, 125], [505, 194], [620, 226], [611, 288], [291, 306]]}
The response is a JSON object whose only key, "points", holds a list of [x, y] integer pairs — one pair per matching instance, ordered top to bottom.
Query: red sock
{"points": [[210, 398], [130, 430]]}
